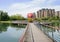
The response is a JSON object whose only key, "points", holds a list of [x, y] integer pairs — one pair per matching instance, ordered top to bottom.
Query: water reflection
{"points": [[19, 26], [3, 27], [10, 32]]}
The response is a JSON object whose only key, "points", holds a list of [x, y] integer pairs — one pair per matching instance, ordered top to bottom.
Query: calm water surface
{"points": [[10, 33]]}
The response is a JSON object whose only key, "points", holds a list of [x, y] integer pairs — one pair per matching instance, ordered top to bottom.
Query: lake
{"points": [[11, 32]]}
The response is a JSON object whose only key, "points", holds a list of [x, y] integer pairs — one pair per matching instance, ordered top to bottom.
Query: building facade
{"points": [[46, 13], [57, 13], [37, 14], [34, 15]]}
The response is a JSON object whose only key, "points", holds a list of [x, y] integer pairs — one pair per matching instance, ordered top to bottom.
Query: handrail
{"points": [[47, 34]]}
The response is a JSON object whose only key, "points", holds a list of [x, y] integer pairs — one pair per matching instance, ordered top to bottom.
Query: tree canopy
{"points": [[4, 16], [16, 17]]}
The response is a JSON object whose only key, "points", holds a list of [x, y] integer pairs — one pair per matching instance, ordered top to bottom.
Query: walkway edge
{"points": [[23, 35]]}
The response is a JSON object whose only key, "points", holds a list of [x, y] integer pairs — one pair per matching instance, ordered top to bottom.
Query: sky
{"points": [[23, 7]]}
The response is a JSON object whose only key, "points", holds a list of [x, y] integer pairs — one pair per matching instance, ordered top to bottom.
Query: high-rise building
{"points": [[42, 12], [49, 12], [45, 13], [53, 13], [57, 13], [37, 14], [34, 15], [40, 15]]}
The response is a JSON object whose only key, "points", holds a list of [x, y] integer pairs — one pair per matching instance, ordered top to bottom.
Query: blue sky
{"points": [[6, 3], [25, 6]]}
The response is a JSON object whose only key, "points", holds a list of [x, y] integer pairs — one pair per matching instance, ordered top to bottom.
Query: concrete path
{"points": [[34, 34]]}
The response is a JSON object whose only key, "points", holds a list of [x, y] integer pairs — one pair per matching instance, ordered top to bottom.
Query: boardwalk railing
{"points": [[48, 34]]}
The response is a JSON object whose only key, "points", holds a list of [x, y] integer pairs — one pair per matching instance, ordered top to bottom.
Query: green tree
{"points": [[4, 16], [16, 17]]}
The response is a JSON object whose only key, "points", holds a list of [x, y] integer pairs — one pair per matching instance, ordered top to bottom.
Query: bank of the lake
{"points": [[5, 21]]}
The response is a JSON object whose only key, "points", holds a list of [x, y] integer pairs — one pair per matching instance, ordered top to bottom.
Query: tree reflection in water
{"points": [[19, 26], [3, 27]]}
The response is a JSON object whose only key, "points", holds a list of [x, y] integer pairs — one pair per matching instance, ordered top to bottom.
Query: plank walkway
{"points": [[34, 34], [28, 35]]}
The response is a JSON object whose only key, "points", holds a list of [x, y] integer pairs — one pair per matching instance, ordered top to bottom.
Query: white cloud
{"points": [[51, 1], [18, 6], [32, 6], [24, 8], [57, 8]]}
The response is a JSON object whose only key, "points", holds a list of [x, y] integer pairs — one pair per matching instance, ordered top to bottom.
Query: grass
{"points": [[5, 21]]}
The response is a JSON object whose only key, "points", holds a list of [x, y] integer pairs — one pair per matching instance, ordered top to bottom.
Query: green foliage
{"points": [[4, 16], [17, 17], [44, 18], [38, 19], [49, 19], [3, 27]]}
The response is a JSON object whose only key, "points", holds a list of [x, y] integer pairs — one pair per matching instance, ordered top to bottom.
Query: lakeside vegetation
{"points": [[4, 17], [48, 19], [55, 21]]}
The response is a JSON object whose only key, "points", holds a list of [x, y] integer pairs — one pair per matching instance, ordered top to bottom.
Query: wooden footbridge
{"points": [[34, 34]]}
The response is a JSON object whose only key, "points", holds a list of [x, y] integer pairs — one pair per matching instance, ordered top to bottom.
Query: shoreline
{"points": [[5, 21]]}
